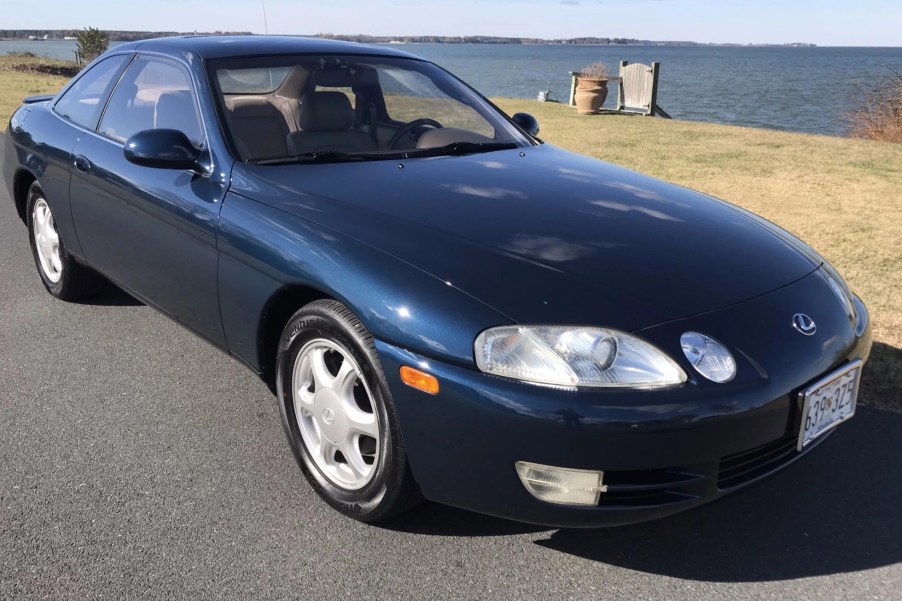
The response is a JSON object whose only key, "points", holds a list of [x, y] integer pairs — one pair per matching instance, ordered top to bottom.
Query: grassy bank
{"points": [[15, 84], [844, 197]]}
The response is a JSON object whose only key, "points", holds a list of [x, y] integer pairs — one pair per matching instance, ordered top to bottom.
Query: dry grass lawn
{"points": [[842, 196]]}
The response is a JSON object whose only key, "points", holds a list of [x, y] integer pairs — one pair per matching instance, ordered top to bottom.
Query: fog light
{"points": [[560, 484]]}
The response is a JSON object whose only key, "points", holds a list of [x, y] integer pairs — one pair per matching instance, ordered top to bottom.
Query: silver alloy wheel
{"points": [[46, 240], [335, 414]]}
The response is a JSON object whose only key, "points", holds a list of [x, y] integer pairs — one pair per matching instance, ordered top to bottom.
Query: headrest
{"points": [[346, 77], [130, 90], [176, 101], [250, 107], [175, 110], [326, 111]]}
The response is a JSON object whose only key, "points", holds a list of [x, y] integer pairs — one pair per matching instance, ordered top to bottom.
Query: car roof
{"points": [[213, 47]]}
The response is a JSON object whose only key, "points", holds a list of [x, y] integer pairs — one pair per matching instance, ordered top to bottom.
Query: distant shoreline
{"points": [[26, 35]]}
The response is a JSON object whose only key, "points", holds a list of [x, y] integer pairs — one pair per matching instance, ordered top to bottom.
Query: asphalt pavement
{"points": [[137, 461]]}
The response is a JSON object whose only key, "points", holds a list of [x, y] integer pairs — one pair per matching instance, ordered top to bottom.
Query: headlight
{"points": [[574, 356]]}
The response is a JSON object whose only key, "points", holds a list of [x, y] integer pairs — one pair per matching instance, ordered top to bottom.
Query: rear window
{"points": [[251, 81]]}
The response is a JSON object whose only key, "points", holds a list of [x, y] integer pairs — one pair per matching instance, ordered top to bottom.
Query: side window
{"points": [[153, 94], [83, 102]]}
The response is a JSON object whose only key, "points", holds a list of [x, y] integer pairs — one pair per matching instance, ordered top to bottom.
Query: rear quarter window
{"points": [[83, 102]]}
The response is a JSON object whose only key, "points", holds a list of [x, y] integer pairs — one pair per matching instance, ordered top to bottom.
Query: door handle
{"points": [[82, 163]]}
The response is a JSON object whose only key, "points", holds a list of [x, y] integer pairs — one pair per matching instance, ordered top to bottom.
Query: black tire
{"points": [[74, 281], [391, 489]]}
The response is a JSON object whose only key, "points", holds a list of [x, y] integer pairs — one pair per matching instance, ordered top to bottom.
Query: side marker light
{"points": [[419, 380]]}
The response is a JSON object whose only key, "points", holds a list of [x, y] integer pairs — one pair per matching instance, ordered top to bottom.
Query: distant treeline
{"points": [[115, 36], [128, 36], [470, 39], [482, 39]]}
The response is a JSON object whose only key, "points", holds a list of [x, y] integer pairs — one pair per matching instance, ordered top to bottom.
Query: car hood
{"points": [[543, 235]]}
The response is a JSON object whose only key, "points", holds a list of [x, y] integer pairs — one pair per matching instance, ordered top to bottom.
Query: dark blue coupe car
{"points": [[445, 306]]}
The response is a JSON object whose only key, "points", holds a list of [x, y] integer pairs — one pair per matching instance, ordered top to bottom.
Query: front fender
{"points": [[264, 249]]}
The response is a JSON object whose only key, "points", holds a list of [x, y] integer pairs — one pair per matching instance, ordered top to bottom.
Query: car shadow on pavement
{"points": [[111, 295], [837, 510], [440, 520]]}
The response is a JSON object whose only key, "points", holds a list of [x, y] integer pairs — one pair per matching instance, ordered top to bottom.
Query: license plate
{"points": [[829, 402]]}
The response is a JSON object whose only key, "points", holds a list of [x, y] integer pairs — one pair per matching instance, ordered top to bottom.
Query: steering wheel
{"points": [[407, 130]]}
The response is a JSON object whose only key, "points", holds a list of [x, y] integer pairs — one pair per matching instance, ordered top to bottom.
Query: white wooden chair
{"points": [[637, 91]]}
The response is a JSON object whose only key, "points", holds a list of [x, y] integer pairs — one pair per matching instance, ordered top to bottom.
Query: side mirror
{"points": [[527, 123], [162, 149]]}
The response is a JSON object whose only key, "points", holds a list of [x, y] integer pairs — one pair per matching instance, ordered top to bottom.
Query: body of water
{"points": [[796, 89]]}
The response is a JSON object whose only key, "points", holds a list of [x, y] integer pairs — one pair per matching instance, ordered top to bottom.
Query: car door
{"points": [[151, 230]]}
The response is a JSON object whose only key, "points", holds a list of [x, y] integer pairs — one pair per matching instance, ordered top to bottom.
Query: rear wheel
{"points": [[61, 275], [338, 414]]}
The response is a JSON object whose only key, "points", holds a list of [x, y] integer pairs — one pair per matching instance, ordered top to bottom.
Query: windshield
{"points": [[334, 108]]}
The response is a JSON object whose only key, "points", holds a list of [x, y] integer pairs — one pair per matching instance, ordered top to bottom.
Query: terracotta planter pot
{"points": [[590, 95]]}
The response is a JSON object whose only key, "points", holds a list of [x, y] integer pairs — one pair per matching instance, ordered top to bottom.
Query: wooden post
{"points": [[573, 75], [620, 97], [652, 106]]}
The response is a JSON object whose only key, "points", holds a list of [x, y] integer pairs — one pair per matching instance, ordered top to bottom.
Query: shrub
{"points": [[92, 43], [52, 68], [594, 71], [880, 115]]}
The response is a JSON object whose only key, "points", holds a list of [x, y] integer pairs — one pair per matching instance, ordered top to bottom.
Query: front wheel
{"points": [[338, 414]]}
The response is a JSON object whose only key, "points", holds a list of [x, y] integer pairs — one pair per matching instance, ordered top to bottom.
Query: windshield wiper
{"points": [[462, 148], [323, 156], [335, 156]]}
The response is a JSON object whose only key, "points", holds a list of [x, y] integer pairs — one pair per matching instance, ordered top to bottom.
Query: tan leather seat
{"points": [[326, 120], [259, 128]]}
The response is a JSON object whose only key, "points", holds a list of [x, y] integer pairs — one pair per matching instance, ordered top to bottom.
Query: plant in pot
{"points": [[591, 88]]}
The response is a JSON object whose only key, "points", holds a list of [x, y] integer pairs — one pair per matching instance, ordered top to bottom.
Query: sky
{"points": [[822, 22]]}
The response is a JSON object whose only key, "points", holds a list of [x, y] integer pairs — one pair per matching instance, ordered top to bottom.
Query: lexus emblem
{"points": [[804, 324], [328, 416]]}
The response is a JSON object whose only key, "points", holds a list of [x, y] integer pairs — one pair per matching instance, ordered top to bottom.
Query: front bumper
{"points": [[662, 451]]}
